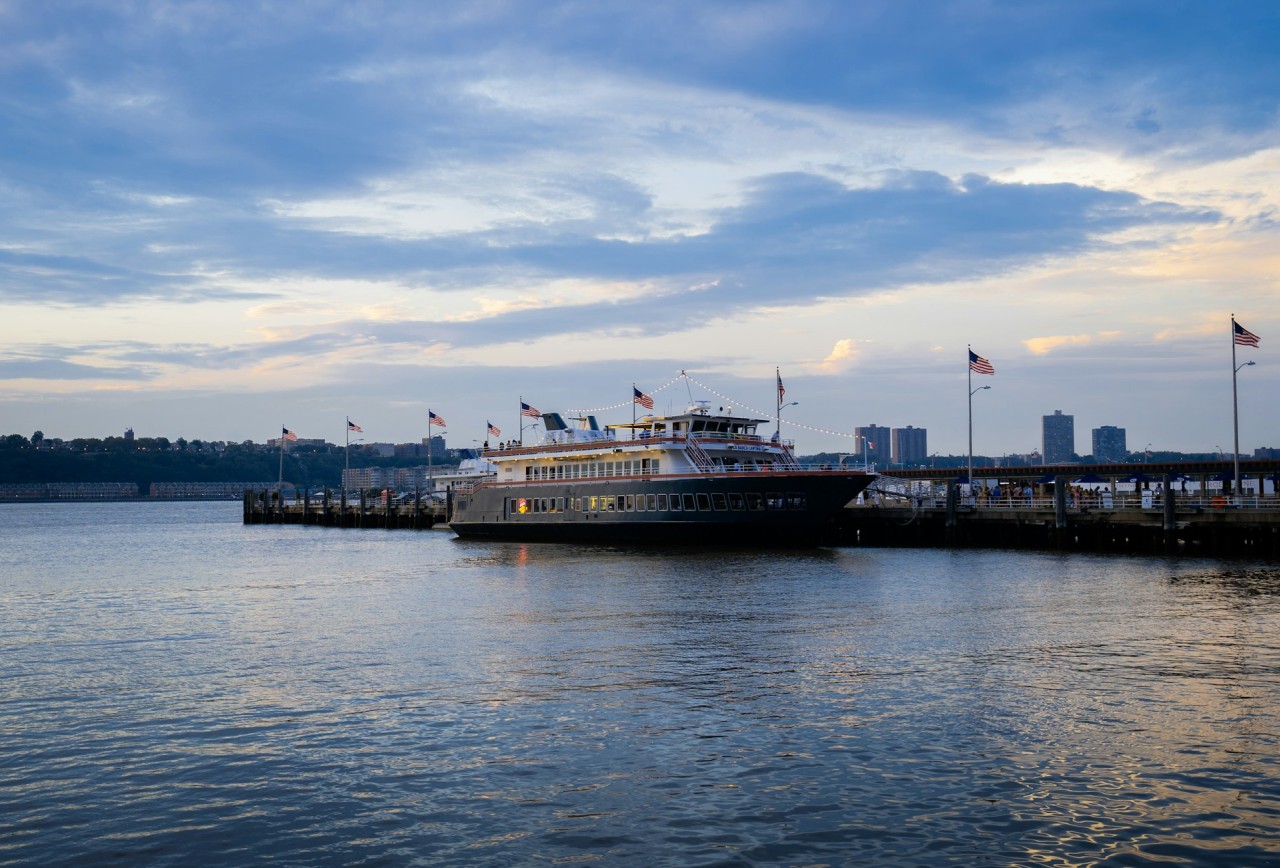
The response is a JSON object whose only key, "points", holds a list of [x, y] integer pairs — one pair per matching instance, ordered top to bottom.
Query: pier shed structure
{"points": [[1192, 507]]}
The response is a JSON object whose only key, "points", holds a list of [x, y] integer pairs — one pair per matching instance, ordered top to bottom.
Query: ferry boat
{"points": [[697, 477]]}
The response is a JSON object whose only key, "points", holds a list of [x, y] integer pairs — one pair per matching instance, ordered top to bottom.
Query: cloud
{"points": [[1043, 346], [841, 356], [60, 369]]}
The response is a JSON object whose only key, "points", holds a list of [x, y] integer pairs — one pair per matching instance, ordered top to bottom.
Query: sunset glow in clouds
{"points": [[223, 217]]}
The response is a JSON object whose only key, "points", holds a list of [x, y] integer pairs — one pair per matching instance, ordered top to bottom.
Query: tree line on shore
{"points": [[145, 460]]}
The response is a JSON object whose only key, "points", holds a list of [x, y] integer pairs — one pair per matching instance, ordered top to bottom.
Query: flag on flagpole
{"points": [[1244, 337], [979, 365], [781, 389], [642, 399], [526, 410], [433, 419], [352, 426], [494, 429], [289, 436]]}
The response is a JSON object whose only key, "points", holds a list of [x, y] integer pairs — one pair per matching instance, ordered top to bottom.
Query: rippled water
{"points": [[178, 688]]}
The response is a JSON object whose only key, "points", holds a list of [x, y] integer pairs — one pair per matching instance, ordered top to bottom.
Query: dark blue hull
{"points": [[764, 509]]}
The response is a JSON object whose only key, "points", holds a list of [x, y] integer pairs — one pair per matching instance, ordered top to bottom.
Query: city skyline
{"points": [[246, 215]]}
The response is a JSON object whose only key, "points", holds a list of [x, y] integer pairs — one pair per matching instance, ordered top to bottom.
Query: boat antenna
{"points": [[686, 386]]}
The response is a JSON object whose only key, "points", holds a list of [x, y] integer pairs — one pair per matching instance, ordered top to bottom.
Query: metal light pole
{"points": [[971, 393], [781, 407], [1235, 424]]}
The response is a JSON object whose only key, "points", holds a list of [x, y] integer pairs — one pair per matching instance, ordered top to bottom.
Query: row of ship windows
{"points": [[592, 469], [714, 502]]}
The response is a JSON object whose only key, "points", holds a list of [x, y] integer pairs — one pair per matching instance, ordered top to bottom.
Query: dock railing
{"points": [[1101, 502]]}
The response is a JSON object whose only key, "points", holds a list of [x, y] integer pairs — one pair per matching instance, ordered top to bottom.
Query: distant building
{"points": [[128, 435], [1059, 438], [301, 442], [874, 442], [910, 445], [1109, 445], [435, 448], [1267, 452], [398, 478]]}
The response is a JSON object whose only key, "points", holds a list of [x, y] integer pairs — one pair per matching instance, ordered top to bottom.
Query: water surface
{"points": [[176, 688]]}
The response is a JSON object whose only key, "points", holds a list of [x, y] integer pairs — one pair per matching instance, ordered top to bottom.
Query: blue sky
{"points": [[220, 218]]}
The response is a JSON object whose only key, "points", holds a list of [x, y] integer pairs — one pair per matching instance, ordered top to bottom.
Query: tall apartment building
{"points": [[1058, 438], [876, 441], [910, 445], [1109, 445], [399, 478]]}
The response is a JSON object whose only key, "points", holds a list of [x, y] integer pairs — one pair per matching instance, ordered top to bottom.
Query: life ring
{"points": [[1218, 502]]}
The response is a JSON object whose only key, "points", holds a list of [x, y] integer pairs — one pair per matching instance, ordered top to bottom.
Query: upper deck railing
{"points": [[764, 472]]}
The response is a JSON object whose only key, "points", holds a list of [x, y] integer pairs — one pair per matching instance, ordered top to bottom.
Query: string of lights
{"points": [[683, 375], [621, 404], [762, 412]]}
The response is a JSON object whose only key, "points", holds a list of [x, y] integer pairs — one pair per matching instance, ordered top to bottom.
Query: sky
{"points": [[218, 219]]}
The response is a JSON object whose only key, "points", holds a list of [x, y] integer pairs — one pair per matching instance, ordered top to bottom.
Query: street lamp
{"points": [[972, 392], [1235, 425], [777, 434]]}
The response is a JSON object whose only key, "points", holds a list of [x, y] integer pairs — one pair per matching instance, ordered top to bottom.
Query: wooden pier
{"points": [[334, 509], [1213, 527]]}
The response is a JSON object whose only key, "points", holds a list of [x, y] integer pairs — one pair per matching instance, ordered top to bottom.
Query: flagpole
{"points": [[969, 368], [633, 410], [1235, 418], [520, 419], [777, 431], [347, 462], [280, 480], [430, 485]]}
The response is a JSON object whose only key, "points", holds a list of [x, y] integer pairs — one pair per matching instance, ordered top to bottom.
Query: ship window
{"points": [[653, 466], [528, 473], [754, 500], [773, 500], [795, 500], [719, 501], [736, 501], [675, 502], [704, 502], [631, 503], [640, 503], [653, 503], [689, 503], [519, 505], [595, 505], [609, 505], [661, 505]]}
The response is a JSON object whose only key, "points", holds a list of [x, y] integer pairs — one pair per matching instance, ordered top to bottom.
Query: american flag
{"points": [[1244, 337], [979, 365], [781, 389], [642, 399], [526, 410], [433, 419], [352, 426], [494, 429], [289, 436]]}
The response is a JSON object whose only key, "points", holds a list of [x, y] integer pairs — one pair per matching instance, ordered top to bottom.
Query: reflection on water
{"points": [[174, 686]]}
